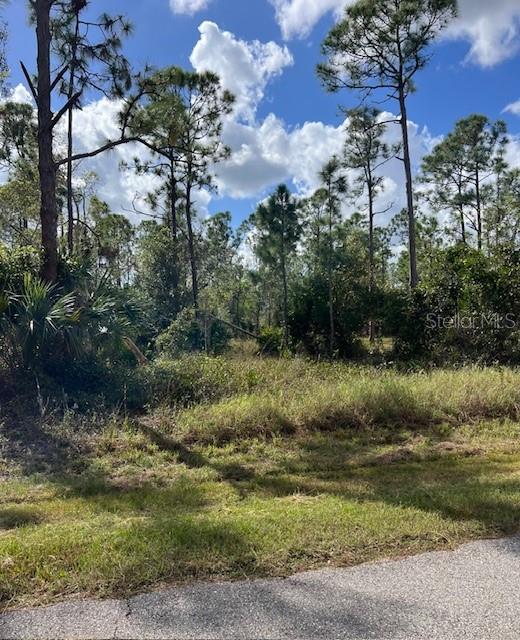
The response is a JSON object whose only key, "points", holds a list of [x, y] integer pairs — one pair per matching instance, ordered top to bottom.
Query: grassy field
{"points": [[253, 467]]}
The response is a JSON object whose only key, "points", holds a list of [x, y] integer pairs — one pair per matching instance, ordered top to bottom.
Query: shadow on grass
{"points": [[32, 446], [186, 456], [193, 459], [460, 486], [463, 486], [457, 488], [14, 517], [194, 527], [123, 561]]}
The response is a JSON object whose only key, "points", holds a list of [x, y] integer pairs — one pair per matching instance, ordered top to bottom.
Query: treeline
{"points": [[317, 274]]}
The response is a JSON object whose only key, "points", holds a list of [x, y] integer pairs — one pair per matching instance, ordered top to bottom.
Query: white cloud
{"points": [[189, 7], [297, 18], [492, 27], [245, 68], [20, 95], [513, 108], [96, 123], [513, 151], [260, 152], [269, 153], [266, 154], [263, 155], [253, 165]]}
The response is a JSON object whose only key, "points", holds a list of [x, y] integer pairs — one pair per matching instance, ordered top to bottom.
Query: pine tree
{"points": [[379, 47], [366, 152], [335, 186], [278, 226]]}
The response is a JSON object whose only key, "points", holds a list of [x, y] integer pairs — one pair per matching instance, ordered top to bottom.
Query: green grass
{"points": [[298, 396], [288, 466]]}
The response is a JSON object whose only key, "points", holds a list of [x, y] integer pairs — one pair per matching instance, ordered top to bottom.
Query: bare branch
{"points": [[59, 77], [29, 82], [65, 108], [106, 147], [379, 213]]}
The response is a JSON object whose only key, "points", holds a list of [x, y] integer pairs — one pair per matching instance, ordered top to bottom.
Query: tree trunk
{"points": [[70, 145], [46, 165], [173, 202], [70, 203], [479, 208], [499, 213], [461, 214], [462, 226], [191, 248], [371, 265], [414, 276], [284, 284], [285, 302], [332, 328], [207, 334]]}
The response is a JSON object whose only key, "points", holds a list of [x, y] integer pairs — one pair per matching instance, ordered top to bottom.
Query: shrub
{"points": [[14, 264], [480, 299], [38, 323], [187, 334], [184, 335], [271, 340], [73, 343], [194, 379], [90, 384]]}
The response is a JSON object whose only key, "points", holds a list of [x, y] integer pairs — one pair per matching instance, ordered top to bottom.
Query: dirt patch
{"points": [[455, 448], [405, 454]]}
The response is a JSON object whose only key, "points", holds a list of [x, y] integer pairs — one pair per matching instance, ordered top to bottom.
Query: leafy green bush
{"points": [[14, 264], [466, 310], [309, 320], [186, 334], [271, 340], [74, 344], [91, 384]]}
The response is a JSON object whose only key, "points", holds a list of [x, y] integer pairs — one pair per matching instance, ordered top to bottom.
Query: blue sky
{"points": [[475, 70]]}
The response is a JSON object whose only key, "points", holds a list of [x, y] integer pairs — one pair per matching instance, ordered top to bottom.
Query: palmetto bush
{"points": [[108, 321], [37, 323], [40, 326]]}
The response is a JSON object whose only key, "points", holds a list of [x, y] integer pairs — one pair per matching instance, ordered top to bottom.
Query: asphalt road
{"points": [[473, 592]]}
